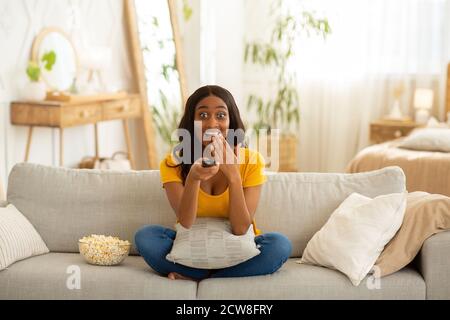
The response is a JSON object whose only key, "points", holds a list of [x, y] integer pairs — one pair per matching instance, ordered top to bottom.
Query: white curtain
{"points": [[348, 80]]}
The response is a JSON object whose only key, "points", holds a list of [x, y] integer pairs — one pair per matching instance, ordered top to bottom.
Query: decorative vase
{"points": [[35, 91], [395, 113]]}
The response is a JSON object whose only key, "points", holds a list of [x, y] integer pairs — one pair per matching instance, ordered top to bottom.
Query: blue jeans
{"points": [[154, 242]]}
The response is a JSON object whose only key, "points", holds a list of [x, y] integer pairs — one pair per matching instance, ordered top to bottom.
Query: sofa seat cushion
{"points": [[46, 277], [297, 281]]}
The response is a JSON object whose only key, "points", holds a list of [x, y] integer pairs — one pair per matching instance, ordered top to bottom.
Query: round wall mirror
{"points": [[53, 46]]}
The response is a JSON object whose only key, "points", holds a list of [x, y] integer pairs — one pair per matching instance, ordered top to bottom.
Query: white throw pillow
{"points": [[428, 139], [356, 233], [18, 238], [210, 244]]}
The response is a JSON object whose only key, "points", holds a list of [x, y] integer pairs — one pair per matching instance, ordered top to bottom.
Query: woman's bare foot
{"points": [[175, 276]]}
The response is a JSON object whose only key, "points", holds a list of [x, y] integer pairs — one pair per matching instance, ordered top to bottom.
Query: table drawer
{"points": [[127, 108], [25, 114], [76, 115], [382, 133]]}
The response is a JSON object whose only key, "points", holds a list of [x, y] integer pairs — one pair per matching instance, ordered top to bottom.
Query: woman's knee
{"points": [[145, 232], [148, 236], [278, 245]]}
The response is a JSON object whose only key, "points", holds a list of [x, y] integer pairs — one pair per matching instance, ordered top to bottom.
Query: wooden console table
{"points": [[63, 115]]}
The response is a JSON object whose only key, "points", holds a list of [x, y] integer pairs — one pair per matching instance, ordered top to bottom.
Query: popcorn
{"points": [[103, 250]]}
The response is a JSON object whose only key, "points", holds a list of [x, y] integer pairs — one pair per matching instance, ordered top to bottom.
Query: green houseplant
{"points": [[35, 88], [281, 110], [166, 119]]}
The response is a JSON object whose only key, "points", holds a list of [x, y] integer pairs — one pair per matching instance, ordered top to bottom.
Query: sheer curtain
{"points": [[348, 80]]}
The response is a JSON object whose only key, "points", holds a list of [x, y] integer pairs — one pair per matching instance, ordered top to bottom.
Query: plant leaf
{"points": [[187, 10], [49, 58], [33, 71]]}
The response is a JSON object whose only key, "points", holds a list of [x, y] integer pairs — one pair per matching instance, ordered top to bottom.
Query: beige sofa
{"points": [[66, 204]]}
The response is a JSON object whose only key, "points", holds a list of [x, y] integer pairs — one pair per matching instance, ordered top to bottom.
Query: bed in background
{"points": [[425, 170]]}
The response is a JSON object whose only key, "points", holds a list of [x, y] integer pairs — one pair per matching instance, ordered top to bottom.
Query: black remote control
{"points": [[206, 163]]}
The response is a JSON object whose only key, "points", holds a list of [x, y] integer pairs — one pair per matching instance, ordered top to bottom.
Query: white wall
{"points": [[99, 22]]}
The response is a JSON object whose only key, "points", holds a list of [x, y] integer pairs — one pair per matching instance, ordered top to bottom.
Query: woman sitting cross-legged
{"points": [[226, 189]]}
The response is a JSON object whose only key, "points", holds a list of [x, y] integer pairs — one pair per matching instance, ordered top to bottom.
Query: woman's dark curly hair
{"points": [[187, 121]]}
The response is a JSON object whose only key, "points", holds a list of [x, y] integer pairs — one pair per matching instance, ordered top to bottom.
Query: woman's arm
{"points": [[184, 199], [243, 204]]}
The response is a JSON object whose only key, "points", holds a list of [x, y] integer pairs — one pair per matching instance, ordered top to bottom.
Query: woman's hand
{"points": [[227, 157], [200, 173]]}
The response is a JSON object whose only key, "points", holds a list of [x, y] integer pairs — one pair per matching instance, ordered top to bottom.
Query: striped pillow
{"points": [[18, 238], [210, 244]]}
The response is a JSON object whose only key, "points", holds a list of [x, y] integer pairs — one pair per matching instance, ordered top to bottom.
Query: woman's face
{"points": [[213, 114]]}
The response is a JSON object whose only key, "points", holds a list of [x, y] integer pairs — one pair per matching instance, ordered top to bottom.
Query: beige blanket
{"points": [[424, 170], [426, 214]]}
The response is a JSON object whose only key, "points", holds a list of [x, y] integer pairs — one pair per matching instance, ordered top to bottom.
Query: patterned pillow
{"points": [[18, 238], [210, 244]]}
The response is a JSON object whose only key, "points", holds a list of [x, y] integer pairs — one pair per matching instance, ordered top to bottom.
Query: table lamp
{"points": [[423, 101]]}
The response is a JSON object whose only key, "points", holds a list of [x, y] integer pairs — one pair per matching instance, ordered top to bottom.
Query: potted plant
{"points": [[36, 89], [281, 111]]}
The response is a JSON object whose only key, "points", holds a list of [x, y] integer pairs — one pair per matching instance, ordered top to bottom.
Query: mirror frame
{"points": [[36, 45]]}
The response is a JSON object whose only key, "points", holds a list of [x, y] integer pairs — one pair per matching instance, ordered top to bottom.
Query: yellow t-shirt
{"points": [[251, 169]]}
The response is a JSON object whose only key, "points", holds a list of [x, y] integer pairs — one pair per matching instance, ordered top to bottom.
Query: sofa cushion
{"points": [[66, 204], [299, 204], [356, 233], [210, 244], [50, 276], [297, 282]]}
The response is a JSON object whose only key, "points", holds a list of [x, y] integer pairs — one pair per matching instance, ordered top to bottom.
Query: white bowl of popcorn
{"points": [[103, 250]]}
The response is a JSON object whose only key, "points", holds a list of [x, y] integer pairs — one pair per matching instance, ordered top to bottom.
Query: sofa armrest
{"points": [[434, 265]]}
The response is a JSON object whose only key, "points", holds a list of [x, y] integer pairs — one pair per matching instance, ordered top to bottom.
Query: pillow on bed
{"points": [[434, 123], [428, 139]]}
